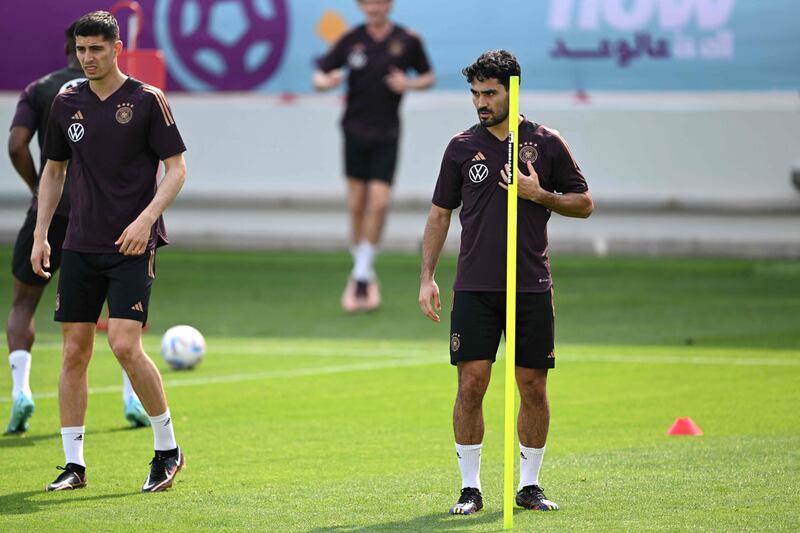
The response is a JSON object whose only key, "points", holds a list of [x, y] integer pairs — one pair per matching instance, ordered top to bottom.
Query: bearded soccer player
{"points": [[377, 55], [33, 110], [113, 131], [473, 176]]}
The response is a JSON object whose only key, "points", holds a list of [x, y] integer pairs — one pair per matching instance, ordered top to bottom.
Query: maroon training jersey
{"points": [[372, 109], [33, 110], [114, 147], [469, 178]]}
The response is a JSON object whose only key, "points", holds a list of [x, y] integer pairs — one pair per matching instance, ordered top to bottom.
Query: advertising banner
{"points": [[273, 45]]}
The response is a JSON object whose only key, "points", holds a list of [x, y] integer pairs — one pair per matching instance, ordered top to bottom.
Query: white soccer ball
{"points": [[182, 347]]}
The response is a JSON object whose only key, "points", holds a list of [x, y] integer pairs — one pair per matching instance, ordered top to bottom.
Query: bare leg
{"points": [[378, 196], [357, 202], [21, 328], [125, 338], [473, 380], [73, 386], [534, 411], [532, 425]]}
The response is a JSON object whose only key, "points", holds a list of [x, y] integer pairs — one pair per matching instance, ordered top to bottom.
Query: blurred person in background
{"points": [[377, 56]]}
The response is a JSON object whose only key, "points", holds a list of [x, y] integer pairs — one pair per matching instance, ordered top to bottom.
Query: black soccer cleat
{"points": [[362, 286], [163, 471], [72, 477], [532, 497], [471, 501]]}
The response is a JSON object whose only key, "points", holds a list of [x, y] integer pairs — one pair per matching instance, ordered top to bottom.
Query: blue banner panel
{"points": [[272, 45]]}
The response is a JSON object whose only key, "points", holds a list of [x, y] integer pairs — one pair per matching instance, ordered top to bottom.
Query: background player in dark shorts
{"points": [[377, 55], [33, 110], [113, 131], [473, 176]]}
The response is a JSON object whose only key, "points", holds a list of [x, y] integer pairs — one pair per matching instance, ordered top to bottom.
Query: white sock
{"points": [[364, 258], [20, 362], [127, 388], [163, 432], [72, 441], [530, 461], [469, 462]]}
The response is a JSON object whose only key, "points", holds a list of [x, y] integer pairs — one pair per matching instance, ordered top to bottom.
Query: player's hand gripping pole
{"points": [[511, 305]]}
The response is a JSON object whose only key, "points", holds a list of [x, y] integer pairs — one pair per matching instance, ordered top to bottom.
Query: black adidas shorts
{"points": [[365, 160], [21, 260], [88, 279], [478, 319]]}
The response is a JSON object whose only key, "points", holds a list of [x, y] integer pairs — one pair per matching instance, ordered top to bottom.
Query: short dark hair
{"points": [[98, 23], [69, 44], [494, 64]]}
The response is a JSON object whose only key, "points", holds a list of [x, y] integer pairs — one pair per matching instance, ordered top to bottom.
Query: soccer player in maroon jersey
{"points": [[377, 55], [33, 110], [113, 131], [473, 176]]}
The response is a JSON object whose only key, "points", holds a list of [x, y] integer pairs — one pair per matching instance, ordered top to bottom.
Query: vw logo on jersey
{"points": [[357, 59], [75, 132], [478, 172]]}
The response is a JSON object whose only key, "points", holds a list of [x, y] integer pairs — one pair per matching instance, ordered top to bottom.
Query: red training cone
{"points": [[684, 426]]}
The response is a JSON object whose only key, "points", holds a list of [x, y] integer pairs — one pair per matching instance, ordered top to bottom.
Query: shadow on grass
{"points": [[14, 440], [18, 440], [22, 503], [437, 521]]}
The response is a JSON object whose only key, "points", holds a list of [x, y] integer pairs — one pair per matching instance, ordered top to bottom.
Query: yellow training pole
{"points": [[511, 306]]}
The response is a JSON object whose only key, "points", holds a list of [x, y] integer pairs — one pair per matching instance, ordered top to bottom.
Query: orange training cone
{"points": [[684, 426]]}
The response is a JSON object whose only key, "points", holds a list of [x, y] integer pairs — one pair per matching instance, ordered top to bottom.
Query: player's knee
{"points": [[379, 202], [357, 205], [24, 306], [19, 325], [20, 336], [126, 351], [76, 356], [472, 387], [533, 392], [536, 399]]}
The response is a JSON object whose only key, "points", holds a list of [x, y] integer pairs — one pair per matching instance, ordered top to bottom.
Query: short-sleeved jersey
{"points": [[372, 109], [33, 110], [114, 147], [469, 178]]}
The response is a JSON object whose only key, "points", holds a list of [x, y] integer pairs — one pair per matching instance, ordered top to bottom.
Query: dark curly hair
{"points": [[100, 23], [69, 45], [494, 64]]}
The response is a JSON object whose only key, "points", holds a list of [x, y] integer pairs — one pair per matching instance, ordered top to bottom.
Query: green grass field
{"points": [[303, 419]]}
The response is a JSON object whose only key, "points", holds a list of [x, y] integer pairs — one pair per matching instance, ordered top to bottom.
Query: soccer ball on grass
{"points": [[182, 347]]}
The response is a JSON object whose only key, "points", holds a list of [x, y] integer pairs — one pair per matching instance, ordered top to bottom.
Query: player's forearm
{"points": [[319, 81], [324, 81], [421, 82], [21, 157], [23, 164], [51, 186], [168, 190], [571, 204], [433, 241]]}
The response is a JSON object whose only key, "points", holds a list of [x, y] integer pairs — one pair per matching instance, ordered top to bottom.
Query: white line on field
{"points": [[312, 350], [419, 361], [255, 376]]}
